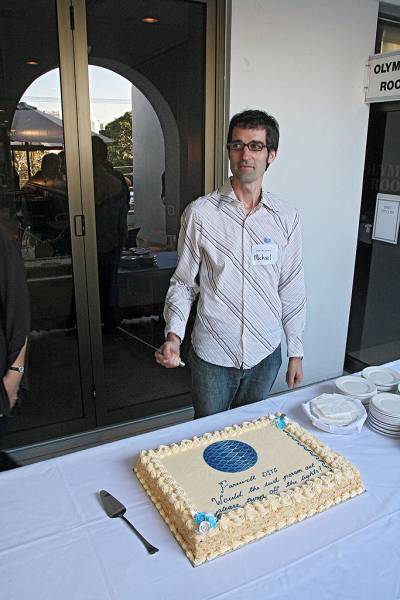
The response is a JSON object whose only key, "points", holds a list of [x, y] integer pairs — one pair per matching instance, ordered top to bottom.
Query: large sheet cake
{"points": [[230, 487]]}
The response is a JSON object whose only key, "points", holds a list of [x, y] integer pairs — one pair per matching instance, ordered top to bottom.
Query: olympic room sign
{"points": [[383, 77]]}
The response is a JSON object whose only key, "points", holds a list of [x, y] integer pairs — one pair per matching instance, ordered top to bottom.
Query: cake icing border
{"points": [[149, 468]]}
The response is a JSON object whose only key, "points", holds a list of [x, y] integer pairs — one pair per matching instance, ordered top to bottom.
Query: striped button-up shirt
{"points": [[242, 307]]}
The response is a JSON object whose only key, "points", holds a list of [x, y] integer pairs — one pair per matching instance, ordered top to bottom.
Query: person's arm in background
{"points": [[182, 291], [293, 298], [15, 314], [12, 379]]}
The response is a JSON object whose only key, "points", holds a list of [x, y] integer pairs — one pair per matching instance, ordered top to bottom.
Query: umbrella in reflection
{"points": [[33, 129]]}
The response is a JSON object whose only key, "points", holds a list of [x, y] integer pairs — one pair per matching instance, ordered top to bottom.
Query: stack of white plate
{"points": [[385, 379], [356, 387], [384, 414]]}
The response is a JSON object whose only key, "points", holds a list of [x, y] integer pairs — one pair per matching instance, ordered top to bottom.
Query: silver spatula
{"points": [[114, 508]]}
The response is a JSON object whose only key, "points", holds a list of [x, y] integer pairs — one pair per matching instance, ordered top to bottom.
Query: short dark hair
{"points": [[257, 119], [99, 150], [49, 161]]}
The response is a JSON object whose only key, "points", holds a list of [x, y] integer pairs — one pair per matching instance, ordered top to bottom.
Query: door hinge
{"points": [[71, 18], [94, 392]]}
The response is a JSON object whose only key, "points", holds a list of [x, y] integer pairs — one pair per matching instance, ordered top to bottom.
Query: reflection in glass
{"points": [[390, 41], [156, 109], [111, 197], [34, 207], [374, 325]]}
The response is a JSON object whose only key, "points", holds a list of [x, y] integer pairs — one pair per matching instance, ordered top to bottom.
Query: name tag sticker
{"points": [[264, 254]]}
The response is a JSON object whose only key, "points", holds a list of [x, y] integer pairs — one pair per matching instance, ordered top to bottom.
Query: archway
{"points": [[163, 112]]}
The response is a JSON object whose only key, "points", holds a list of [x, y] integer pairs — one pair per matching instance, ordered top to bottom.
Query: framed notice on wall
{"points": [[383, 77], [387, 218]]}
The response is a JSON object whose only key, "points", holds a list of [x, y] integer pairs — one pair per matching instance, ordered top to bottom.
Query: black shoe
{"points": [[6, 462]]}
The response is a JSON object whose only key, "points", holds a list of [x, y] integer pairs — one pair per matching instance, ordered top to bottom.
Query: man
{"points": [[111, 196], [240, 251]]}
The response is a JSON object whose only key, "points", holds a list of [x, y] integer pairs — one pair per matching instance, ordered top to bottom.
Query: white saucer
{"points": [[140, 251], [383, 377], [358, 387], [387, 388], [386, 403], [384, 416], [385, 426], [381, 430]]}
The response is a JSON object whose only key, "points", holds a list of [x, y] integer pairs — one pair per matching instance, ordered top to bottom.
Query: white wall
{"points": [[303, 62], [148, 166]]}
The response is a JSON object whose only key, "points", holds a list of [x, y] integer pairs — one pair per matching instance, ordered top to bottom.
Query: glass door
{"points": [[147, 86], [94, 176], [40, 205], [374, 326]]}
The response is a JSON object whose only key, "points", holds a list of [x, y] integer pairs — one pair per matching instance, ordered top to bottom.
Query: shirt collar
{"points": [[227, 194]]}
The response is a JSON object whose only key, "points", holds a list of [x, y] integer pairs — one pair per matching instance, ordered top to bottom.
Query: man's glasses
{"points": [[239, 146]]}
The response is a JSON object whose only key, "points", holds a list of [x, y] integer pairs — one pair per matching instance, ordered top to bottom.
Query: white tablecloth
{"points": [[56, 542]]}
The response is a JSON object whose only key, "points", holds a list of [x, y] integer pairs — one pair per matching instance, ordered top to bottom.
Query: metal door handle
{"points": [[79, 225]]}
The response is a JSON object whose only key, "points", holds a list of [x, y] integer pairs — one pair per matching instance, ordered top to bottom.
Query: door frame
{"points": [[76, 112]]}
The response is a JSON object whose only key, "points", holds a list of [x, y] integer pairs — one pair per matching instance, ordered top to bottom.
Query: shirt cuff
{"points": [[176, 328], [295, 347]]}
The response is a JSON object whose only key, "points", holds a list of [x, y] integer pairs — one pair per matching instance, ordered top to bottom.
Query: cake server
{"points": [[138, 339], [114, 508]]}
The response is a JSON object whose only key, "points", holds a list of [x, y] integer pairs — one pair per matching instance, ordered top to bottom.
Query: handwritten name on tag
{"points": [[264, 254]]}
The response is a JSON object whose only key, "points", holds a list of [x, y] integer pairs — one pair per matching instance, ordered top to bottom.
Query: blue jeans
{"points": [[215, 388]]}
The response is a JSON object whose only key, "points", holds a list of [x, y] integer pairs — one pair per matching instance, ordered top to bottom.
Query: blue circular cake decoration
{"points": [[230, 456]]}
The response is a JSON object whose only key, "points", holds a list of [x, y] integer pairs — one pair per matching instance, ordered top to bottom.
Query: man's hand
{"points": [[169, 354], [294, 374], [11, 381]]}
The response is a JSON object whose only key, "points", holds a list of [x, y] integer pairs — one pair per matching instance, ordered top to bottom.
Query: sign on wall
{"points": [[383, 77], [387, 218]]}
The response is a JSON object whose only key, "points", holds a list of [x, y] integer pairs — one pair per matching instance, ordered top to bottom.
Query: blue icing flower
{"points": [[280, 422], [230, 456], [199, 517], [212, 519], [205, 521]]}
